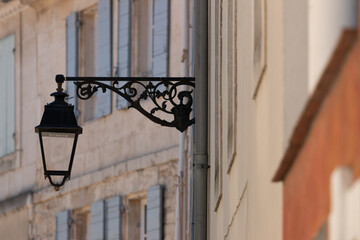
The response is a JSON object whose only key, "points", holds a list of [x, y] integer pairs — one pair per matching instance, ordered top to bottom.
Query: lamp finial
{"points": [[59, 79]]}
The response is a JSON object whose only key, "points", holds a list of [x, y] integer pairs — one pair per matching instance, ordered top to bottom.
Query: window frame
{"points": [[134, 36], [260, 47], [114, 52], [79, 105], [85, 106], [11, 160], [135, 201], [143, 208], [74, 216]]}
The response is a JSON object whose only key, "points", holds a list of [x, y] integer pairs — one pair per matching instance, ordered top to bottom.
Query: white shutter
{"points": [[124, 46], [103, 55], [72, 56], [7, 95], [154, 213], [113, 218], [97, 221], [63, 225]]}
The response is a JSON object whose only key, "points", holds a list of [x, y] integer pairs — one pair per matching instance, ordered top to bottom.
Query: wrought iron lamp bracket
{"points": [[171, 97]]}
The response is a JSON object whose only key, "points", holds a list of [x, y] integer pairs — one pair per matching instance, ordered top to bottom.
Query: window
{"points": [[87, 37], [149, 38], [143, 39], [259, 43], [142, 46], [89, 52], [230, 84], [7, 95], [224, 104], [217, 107], [145, 215], [104, 218], [137, 219], [101, 220], [73, 224], [80, 224]]}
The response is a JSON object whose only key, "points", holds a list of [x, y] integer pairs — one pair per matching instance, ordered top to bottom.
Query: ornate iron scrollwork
{"points": [[171, 98]]}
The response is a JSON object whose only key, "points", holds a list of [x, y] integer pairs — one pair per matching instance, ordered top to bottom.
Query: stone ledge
{"points": [[39, 4], [9, 162], [116, 170], [15, 203]]}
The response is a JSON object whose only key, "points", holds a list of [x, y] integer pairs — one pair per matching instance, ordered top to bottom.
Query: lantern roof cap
{"points": [[59, 116]]}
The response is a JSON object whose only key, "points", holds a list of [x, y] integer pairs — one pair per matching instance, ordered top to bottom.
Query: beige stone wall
{"points": [[120, 136], [120, 154], [20, 172], [135, 181], [15, 225]]}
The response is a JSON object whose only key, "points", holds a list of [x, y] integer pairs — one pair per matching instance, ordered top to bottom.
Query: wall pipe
{"points": [[201, 124], [190, 169]]}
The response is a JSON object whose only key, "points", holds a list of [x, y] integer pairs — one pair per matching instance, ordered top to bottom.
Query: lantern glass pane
{"points": [[57, 149]]}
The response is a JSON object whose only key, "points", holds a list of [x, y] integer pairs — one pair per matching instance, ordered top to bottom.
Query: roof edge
{"points": [[328, 78]]}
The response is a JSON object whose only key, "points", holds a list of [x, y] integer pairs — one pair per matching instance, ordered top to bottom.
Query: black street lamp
{"points": [[171, 99], [58, 122]]}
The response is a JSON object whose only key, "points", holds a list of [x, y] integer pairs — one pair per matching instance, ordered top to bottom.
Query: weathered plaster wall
{"points": [[122, 135], [122, 153], [21, 173], [126, 183], [249, 205], [15, 225]]}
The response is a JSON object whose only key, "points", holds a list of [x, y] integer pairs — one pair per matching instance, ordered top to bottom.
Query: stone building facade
{"points": [[266, 59], [123, 161]]}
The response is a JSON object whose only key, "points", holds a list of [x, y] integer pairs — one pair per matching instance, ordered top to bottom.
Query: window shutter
{"points": [[124, 46], [160, 51], [103, 55], [72, 56], [7, 95], [154, 213], [113, 218], [97, 221], [63, 225]]}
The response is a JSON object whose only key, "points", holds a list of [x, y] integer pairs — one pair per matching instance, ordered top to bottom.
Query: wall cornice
{"points": [[38, 4], [10, 8], [16, 203]]}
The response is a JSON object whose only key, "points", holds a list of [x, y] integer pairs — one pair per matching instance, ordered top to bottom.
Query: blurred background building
{"points": [[269, 62], [284, 105], [125, 169]]}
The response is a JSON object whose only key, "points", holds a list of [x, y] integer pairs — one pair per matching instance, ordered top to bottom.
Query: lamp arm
{"points": [[171, 98]]}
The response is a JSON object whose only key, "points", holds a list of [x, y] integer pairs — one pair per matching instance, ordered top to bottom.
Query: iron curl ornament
{"points": [[164, 100]]}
